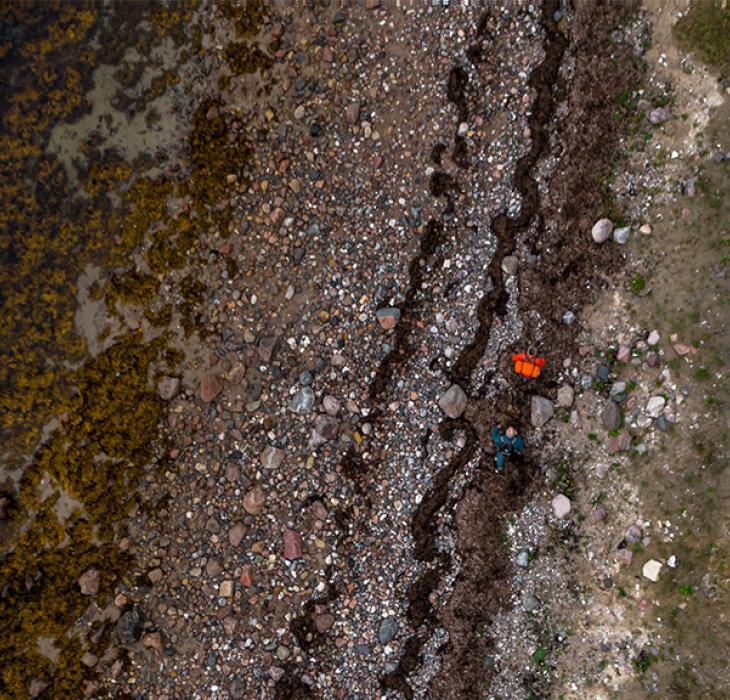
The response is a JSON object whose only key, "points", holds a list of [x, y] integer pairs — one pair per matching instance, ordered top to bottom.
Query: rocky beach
{"points": [[264, 268]]}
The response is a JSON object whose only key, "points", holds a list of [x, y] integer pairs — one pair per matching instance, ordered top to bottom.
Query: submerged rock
{"points": [[168, 388], [89, 582], [129, 626]]}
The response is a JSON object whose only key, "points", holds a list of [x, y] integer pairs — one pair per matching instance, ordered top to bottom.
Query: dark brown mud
{"points": [[568, 267], [402, 350], [510, 493]]}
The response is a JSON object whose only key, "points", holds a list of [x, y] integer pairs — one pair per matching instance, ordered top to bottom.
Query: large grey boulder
{"points": [[453, 402], [541, 411]]}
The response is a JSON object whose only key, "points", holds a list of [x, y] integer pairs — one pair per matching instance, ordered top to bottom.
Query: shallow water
{"points": [[95, 109]]}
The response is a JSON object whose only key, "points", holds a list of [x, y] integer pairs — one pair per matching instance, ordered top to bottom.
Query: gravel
{"points": [[291, 568]]}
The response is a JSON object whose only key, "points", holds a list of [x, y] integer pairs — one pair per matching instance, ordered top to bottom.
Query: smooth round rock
{"points": [[601, 230], [561, 505], [388, 629]]}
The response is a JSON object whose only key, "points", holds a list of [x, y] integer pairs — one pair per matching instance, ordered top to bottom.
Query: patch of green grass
{"points": [[706, 29], [701, 374], [692, 479], [563, 481], [598, 499], [686, 590]]}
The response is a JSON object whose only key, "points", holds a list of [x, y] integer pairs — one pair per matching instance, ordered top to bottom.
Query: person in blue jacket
{"points": [[509, 444]]}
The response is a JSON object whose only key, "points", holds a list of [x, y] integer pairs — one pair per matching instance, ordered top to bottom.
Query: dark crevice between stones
{"points": [[456, 91], [437, 152], [460, 154], [505, 228], [433, 237], [566, 261], [512, 490], [420, 609], [303, 626], [290, 687]]}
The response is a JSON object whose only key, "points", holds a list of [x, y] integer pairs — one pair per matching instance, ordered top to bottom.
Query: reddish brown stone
{"points": [[210, 386], [254, 501], [236, 533], [292, 544], [246, 577], [89, 582], [323, 622], [153, 640]]}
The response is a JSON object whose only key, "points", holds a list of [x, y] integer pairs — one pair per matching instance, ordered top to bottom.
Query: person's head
{"points": [[511, 432]]}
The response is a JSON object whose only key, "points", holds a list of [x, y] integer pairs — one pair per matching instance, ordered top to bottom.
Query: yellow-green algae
{"points": [[246, 23], [43, 225], [38, 334], [108, 412], [97, 455]]}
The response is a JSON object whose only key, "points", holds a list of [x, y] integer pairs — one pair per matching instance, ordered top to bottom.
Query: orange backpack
{"points": [[528, 365]]}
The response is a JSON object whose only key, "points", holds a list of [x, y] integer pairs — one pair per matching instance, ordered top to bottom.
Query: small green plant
{"points": [[637, 284], [701, 374], [593, 437], [563, 481], [598, 499], [686, 591], [622, 592], [539, 655], [642, 662]]}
